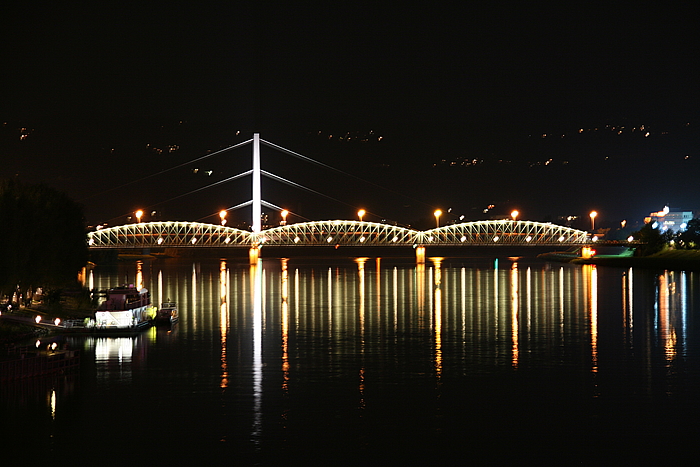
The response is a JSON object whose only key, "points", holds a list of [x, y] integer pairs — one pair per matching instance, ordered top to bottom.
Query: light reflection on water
{"points": [[273, 357]]}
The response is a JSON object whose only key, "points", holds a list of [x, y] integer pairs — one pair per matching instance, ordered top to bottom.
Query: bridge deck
{"points": [[334, 232]]}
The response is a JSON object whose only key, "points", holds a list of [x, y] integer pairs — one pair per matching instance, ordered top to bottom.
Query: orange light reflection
{"points": [[592, 273], [514, 298], [223, 322], [285, 326], [437, 326]]}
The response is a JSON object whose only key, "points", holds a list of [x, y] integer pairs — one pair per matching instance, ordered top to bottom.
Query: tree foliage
{"points": [[42, 237], [690, 238], [654, 240]]}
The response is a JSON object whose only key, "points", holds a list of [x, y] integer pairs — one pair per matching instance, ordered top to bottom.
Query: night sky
{"points": [[550, 110]]}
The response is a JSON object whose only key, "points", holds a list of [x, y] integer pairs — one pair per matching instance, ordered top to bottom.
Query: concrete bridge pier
{"points": [[254, 254], [420, 254]]}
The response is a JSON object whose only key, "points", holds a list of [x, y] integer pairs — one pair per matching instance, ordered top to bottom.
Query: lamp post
{"points": [[284, 213], [361, 213], [437, 213], [514, 214], [138, 215], [222, 215], [593, 215]]}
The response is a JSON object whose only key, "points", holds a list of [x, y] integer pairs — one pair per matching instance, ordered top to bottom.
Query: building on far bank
{"points": [[668, 218]]}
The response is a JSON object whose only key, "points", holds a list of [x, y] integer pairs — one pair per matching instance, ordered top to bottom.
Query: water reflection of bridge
{"points": [[334, 232]]}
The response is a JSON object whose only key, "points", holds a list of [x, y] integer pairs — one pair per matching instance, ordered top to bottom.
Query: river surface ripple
{"points": [[378, 360]]}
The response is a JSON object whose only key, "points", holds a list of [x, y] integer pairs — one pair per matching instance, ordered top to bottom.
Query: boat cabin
{"points": [[125, 298], [125, 308]]}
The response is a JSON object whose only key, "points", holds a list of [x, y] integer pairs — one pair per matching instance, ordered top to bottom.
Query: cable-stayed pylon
{"points": [[256, 201]]}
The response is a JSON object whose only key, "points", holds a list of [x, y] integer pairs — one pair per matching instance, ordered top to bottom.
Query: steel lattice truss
{"points": [[338, 232], [504, 232], [168, 234]]}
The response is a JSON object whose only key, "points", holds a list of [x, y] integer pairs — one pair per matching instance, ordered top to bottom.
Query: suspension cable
{"points": [[313, 161], [167, 170]]}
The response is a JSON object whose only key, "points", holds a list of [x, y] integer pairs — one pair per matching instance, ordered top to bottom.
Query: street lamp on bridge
{"points": [[284, 213], [361, 213], [437, 213], [514, 214], [138, 215], [222, 215], [593, 215]]}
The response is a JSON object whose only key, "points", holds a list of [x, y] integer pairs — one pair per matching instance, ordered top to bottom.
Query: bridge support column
{"points": [[257, 209], [254, 254], [420, 254]]}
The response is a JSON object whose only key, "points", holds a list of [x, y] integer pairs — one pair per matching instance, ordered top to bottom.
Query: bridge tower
{"points": [[257, 197], [254, 252]]}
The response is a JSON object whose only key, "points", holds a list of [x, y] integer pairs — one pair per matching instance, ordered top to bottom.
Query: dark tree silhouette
{"points": [[42, 237], [690, 238], [654, 240]]}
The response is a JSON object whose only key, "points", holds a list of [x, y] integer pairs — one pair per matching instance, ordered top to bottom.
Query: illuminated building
{"points": [[668, 218]]}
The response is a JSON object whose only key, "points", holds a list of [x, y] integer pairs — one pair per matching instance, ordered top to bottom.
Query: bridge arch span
{"points": [[334, 232], [338, 232], [504, 232], [168, 234]]}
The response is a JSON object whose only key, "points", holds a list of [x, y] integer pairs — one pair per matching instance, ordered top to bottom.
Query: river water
{"points": [[368, 360]]}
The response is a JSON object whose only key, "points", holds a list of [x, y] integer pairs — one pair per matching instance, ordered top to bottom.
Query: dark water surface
{"points": [[378, 362]]}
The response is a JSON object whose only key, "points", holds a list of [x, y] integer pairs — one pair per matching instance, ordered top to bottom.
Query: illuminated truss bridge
{"points": [[335, 232], [324, 233]]}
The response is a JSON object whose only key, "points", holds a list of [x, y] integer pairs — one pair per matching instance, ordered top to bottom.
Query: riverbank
{"points": [[684, 260], [20, 324], [12, 331], [31, 362]]}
